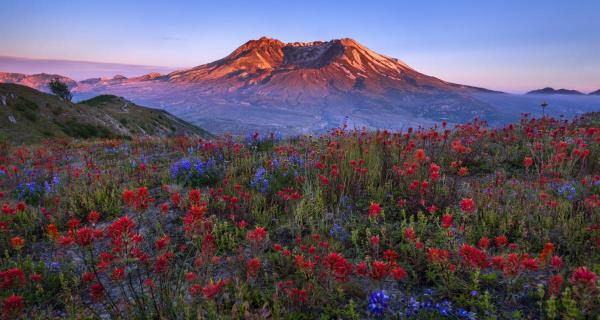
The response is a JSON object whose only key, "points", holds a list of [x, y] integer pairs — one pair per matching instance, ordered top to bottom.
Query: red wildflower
{"points": [[420, 155], [527, 162], [324, 179], [194, 196], [128, 197], [176, 198], [467, 205], [21, 206], [164, 208], [7, 209], [374, 209], [93, 217], [446, 221], [73, 223], [52, 231], [409, 234], [257, 235], [84, 237], [66, 240], [374, 240], [501, 241], [17, 242], [163, 242], [484, 243], [419, 245], [547, 252], [390, 255], [438, 255], [473, 256], [162, 262], [498, 262], [556, 262], [530, 264], [512, 265], [338, 266], [252, 267], [361, 268], [379, 270], [398, 273], [118, 274], [190, 276], [14, 277], [35, 277], [87, 277], [584, 277], [149, 283], [554, 284], [195, 289], [212, 289], [97, 291], [12, 306]]}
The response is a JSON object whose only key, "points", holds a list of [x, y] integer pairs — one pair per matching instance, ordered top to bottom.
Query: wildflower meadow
{"points": [[461, 222]]}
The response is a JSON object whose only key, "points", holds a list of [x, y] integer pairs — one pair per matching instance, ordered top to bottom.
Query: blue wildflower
{"points": [[259, 181], [47, 187], [568, 191], [338, 232], [378, 302]]}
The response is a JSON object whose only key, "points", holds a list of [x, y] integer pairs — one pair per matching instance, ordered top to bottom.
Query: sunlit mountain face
{"points": [[307, 87]]}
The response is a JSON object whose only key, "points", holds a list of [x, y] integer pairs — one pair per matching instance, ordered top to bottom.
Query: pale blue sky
{"points": [[506, 45]]}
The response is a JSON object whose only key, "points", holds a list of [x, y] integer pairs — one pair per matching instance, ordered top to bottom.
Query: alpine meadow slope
{"points": [[29, 116]]}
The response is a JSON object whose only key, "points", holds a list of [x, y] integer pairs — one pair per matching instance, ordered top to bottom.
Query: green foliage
{"points": [[60, 89], [99, 100], [84, 130]]}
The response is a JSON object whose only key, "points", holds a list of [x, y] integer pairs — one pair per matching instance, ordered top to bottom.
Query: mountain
{"points": [[269, 66], [75, 69], [37, 81], [268, 85], [549, 90], [597, 92], [28, 115]]}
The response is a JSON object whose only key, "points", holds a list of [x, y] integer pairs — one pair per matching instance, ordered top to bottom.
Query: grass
{"points": [[39, 116], [468, 223]]}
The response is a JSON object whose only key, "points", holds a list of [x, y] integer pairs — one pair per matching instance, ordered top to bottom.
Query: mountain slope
{"points": [[37, 81], [268, 85], [549, 90], [597, 92], [28, 115]]}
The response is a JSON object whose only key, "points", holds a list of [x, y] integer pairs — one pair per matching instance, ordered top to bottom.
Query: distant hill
{"points": [[37, 81], [549, 90], [597, 92], [28, 115]]}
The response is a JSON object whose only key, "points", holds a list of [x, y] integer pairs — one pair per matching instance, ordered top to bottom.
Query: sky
{"points": [[507, 45]]}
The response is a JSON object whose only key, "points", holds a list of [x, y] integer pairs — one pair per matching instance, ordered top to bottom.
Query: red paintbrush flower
{"points": [[467, 205], [374, 209]]}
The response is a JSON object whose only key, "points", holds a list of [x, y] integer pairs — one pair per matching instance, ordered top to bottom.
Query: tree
{"points": [[60, 89], [544, 105]]}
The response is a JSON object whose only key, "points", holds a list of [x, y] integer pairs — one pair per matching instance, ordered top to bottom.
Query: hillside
{"points": [[37, 81], [549, 90], [28, 115]]}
